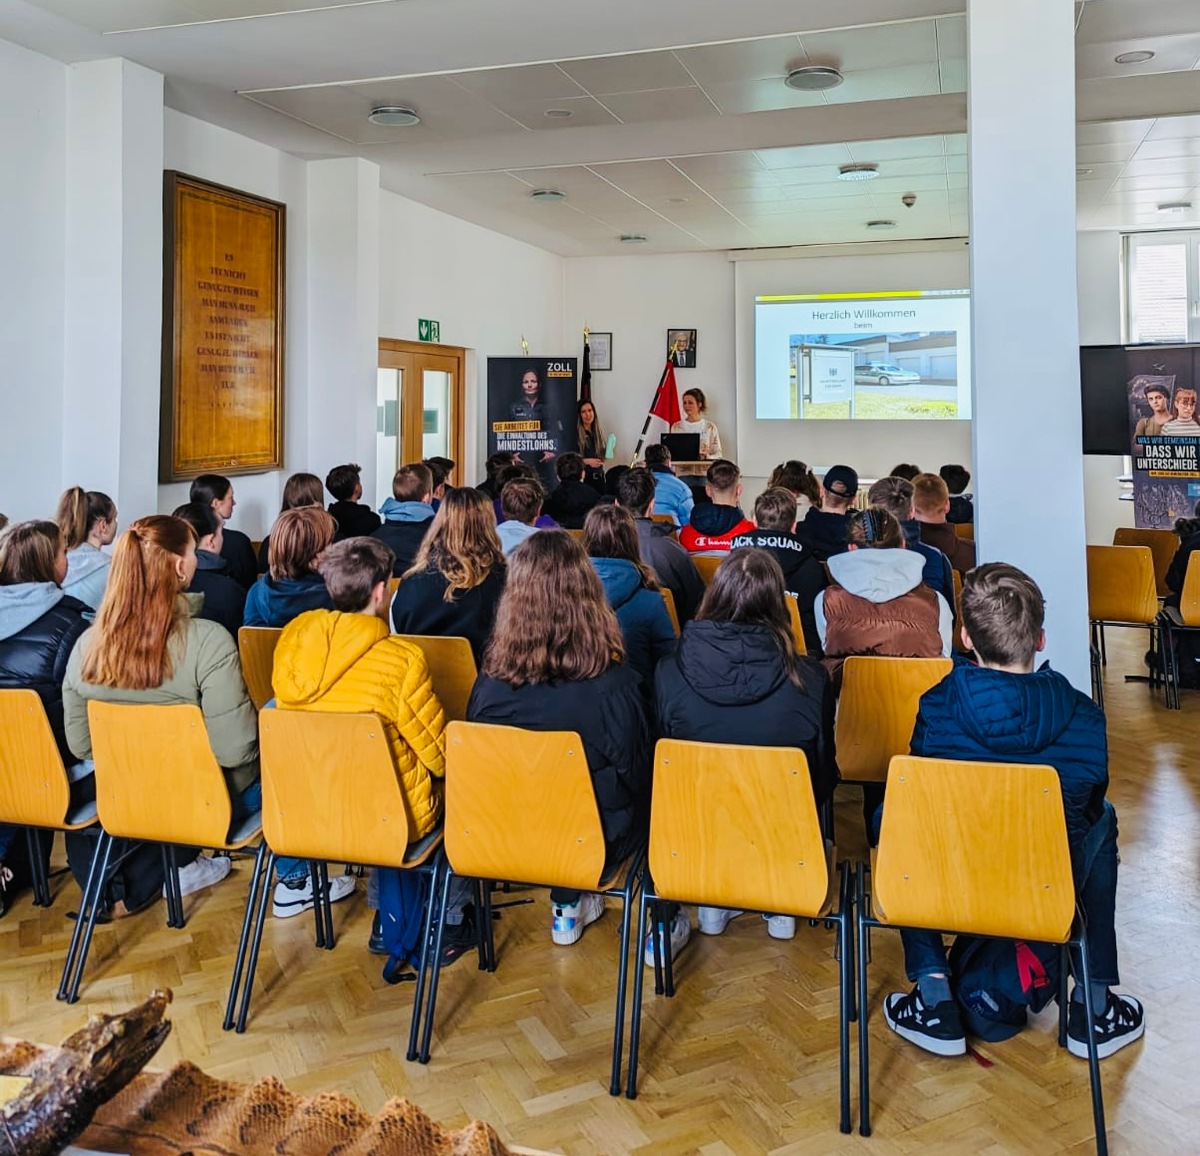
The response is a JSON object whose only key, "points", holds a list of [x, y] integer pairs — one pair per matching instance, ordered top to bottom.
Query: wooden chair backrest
{"points": [[668, 518], [965, 530], [576, 534], [1162, 543], [707, 565], [1120, 582], [392, 587], [1189, 599], [957, 608], [672, 613], [797, 626], [256, 646], [452, 668], [877, 710], [156, 775], [330, 789], [34, 790], [520, 806], [736, 826], [975, 847]]}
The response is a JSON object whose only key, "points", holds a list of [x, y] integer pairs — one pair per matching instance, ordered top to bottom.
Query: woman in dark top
{"points": [[591, 444], [299, 490], [216, 492], [454, 586], [224, 599], [556, 663], [736, 678]]}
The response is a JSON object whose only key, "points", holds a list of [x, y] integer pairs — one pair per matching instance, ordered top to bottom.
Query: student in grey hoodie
{"points": [[521, 503], [407, 515], [88, 520], [39, 626]]}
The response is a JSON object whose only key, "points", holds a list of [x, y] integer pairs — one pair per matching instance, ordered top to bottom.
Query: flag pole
{"points": [[650, 413]]}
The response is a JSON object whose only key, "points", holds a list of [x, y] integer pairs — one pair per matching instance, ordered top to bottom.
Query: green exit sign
{"points": [[428, 330]]}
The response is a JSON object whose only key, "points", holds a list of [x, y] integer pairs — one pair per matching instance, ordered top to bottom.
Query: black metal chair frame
{"points": [[1171, 623], [1099, 656], [1078, 940]]}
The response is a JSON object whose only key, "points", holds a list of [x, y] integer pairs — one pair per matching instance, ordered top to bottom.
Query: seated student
{"points": [[493, 467], [442, 470], [519, 470], [905, 470], [612, 479], [957, 479], [801, 481], [299, 490], [216, 491], [671, 495], [896, 496], [568, 503], [931, 503], [521, 504], [407, 514], [354, 519], [88, 521], [715, 523], [824, 526], [611, 541], [671, 563], [803, 576], [456, 580], [292, 586], [224, 599], [878, 603], [39, 626], [147, 648], [1187, 652], [346, 661], [555, 663], [736, 678], [1003, 710]]}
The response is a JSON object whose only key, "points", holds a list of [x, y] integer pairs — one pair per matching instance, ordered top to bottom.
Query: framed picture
{"points": [[600, 347], [681, 348]]}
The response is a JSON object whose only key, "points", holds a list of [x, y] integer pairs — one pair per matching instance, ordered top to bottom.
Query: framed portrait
{"points": [[681, 348], [600, 350]]}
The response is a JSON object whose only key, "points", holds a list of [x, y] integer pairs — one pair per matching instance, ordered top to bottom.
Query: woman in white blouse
{"points": [[694, 421]]}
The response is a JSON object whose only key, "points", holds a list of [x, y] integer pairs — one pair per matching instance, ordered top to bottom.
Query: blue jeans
{"points": [[245, 803], [1094, 864]]}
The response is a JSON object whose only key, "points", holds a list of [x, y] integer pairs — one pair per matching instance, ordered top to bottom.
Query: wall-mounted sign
{"points": [[428, 330]]}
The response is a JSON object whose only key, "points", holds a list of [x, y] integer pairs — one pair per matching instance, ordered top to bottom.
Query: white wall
{"points": [[32, 287]]}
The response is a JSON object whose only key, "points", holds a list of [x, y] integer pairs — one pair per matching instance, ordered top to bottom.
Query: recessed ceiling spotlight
{"points": [[1139, 57], [813, 78], [558, 113], [393, 116], [858, 172], [547, 196], [677, 200], [1175, 207], [881, 226], [633, 238]]}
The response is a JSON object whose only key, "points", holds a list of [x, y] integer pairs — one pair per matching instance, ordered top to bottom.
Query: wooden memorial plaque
{"points": [[223, 331]]}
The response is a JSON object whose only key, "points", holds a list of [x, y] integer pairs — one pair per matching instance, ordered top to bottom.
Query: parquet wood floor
{"points": [[742, 1061]]}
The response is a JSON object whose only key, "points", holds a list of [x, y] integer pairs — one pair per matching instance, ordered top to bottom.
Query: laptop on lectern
{"points": [[683, 447]]}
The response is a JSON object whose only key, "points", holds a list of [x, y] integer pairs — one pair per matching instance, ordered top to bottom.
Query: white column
{"points": [[113, 282], [343, 314], [1027, 426]]}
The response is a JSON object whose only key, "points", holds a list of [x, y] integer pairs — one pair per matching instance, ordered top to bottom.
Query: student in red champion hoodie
{"points": [[714, 525]]}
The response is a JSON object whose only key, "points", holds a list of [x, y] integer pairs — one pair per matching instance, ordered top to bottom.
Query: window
{"points": [[1163, 287]]}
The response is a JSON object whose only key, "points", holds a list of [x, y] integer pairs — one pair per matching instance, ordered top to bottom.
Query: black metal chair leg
{"points": [[1103, 647], [37, 868], [168, 868], [437, 880], [314, 881], [482, 888], [326, 899], [93, 911], [260, 917], [646, 921], [489, 926], [77, 931], [656, 949], [668, 962], [436, 971], [1064, 971], [235, 983], [845, 993], [1093, 1056], [864, 1069], [614, 1085]]}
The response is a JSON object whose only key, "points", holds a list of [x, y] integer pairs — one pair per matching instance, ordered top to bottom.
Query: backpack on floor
{"points": [[402, 899], [997, 981]]}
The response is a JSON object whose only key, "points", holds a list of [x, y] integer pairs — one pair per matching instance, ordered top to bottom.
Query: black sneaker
{"points": [[375, 944], [1120, 1023], [937, 1029]]}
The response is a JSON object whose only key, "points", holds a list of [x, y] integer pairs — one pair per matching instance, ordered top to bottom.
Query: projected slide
{"points": [[863, 356]]}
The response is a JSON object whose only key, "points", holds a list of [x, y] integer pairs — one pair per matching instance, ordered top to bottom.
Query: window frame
{"points": [[1133, 243]]}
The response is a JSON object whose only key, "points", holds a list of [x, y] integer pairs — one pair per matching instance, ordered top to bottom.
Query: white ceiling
{"points": [[681, 126]]}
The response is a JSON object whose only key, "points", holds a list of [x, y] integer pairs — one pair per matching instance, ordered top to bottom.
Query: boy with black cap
{"points": [[824, 528]]}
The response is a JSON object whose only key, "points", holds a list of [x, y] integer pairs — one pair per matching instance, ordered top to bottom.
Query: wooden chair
{"points": [[667, 518], [965, 530], [576, 534], [1162, 543], [707, 565], [392, 586], [1121, 592], [957, 608], [672, 613], [1183, 618], [797, 626], [256, 647], [452, 668], [877, 711], [157, 781], [35, 791], [330, 793], [520, 807], [737, 827], [979, 849]]}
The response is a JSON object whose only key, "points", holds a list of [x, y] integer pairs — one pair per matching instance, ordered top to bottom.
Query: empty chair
{"points": [[1162, 543], [1121, 592], [1178, 619], [256, 648]]}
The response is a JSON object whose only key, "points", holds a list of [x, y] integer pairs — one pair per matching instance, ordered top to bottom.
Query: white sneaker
{"points": [[202, 872], [296, 897], [569, 919], [714, 920], [781, 926], [681, 932]]}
